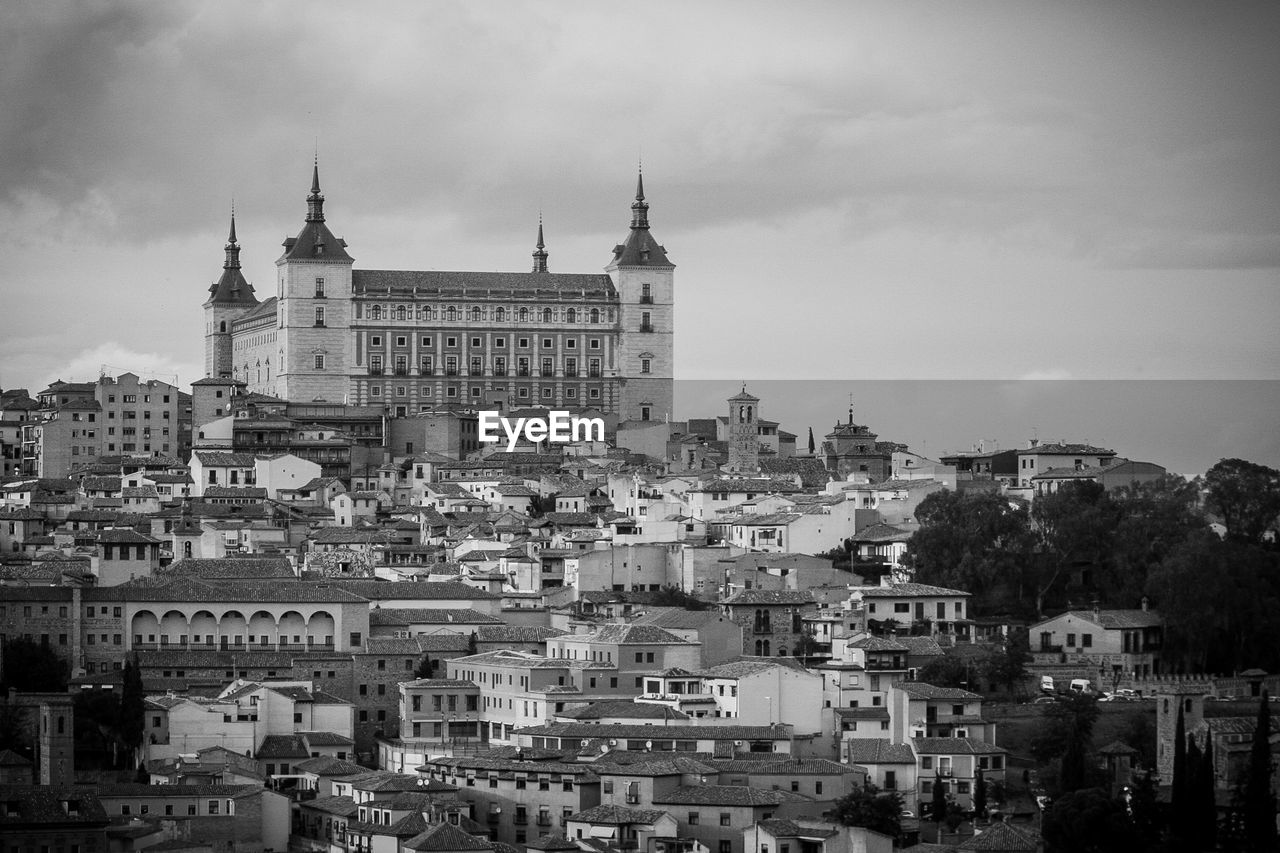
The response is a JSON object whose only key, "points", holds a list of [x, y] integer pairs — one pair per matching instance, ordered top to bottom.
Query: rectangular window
{"points": [[319, 288], [319, 316], [319, 362], [725, 818]]}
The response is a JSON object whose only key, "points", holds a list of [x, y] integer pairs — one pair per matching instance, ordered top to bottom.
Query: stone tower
{"points": [[644, 278], [313, 289], [229, 297], [744, 432], [1189, 695], [56, 741]]}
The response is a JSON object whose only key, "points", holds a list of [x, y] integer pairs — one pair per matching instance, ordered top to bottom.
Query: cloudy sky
{"points": [[849, 190]]}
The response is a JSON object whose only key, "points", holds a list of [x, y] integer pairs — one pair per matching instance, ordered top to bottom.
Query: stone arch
{"points": [[546, 315], [595, 315], [144, 625], [174, 627], [204, 627], [233, 627], [292, 627], [262, 628], [321, 628]]}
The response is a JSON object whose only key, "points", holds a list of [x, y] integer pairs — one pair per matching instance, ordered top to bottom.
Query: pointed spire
{"points": [[315, 201], [640, 207], [233, 249], [540, 253]]}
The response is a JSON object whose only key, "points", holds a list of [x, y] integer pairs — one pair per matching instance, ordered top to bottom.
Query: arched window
{"points": [[375, 312], [400, 312], [451, 313], [475, 313], [499, 314], [524, 315], [546, 315], [595, 315], [571, 316], [222, 327], [186, 549]]}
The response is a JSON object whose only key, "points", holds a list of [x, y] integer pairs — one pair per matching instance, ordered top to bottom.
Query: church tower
{"points": [[644, 278], [229, 297], [313, 312], [744, 433], [56, 742]]}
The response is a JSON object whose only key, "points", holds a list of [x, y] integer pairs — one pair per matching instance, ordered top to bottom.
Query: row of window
{"points": [[476, 313], [646, 317], [500, 342], [476, 365], [522, 392], [133, 398]]}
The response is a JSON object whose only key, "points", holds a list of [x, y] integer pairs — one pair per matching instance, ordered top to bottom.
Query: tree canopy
{"points": [[1246, 496], [871, 808]]}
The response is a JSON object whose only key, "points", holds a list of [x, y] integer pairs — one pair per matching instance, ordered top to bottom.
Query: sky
{"points": [[849, 190]]}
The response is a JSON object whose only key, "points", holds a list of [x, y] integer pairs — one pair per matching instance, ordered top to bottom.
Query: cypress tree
{"points": [[1179, 784], [979, 795], [1259, 799], [938, 808]]}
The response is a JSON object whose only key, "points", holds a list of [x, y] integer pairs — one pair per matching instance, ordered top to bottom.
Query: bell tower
{"points": [[744, 432]]}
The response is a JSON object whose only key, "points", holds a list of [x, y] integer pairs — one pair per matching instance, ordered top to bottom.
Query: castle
{"points": [[411, 341]]}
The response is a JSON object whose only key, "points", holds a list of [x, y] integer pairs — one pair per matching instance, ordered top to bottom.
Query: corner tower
{"points": [[644, 278], [229, 297], [313, 311]]}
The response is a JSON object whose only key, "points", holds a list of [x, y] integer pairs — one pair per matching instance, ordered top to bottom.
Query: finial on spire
{"points": [[315, 201], [640, 207], [231, 238], [232, 248], [540, 253]]}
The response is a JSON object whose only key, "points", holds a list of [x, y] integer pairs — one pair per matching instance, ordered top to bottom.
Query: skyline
{"points": [[875, 191]]}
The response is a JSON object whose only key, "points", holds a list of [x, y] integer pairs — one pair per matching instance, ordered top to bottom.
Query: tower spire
{"points": [[315, 201], [640, 207], [233, 249], [540, 253]]}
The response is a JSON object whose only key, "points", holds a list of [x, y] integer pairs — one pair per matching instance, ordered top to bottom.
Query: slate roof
{"points": [[519, 283], [220, 459], [239, 568], [423, 590], [906, 590], [770, 596], [403, 616], [1119, 619], [516, 633], [631, 634], [879, 644], [745, 666], [920, 690], [624, 708], [868, 713], [641, 732], [283, 746], [954, 746], [880, 751], [765, 765], [726, 795], [40, 805], [342, 806], [611, 815], [781, 828], [446, 836], [1003, 837]]}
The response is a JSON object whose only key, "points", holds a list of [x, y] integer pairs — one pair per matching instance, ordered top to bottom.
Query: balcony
{"points": [[646, 300], [646, 327], [426, 370], [375, 371], [401, 371], [546, 372], [521, 819], [544, 820]]}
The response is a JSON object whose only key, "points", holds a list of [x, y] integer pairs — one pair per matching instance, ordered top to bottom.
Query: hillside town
{"points": [[249, 624]]}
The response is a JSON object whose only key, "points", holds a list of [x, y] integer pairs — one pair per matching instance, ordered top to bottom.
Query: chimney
{"points": [[1145, 603]]}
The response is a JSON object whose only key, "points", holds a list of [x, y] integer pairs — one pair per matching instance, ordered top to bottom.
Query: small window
{"points": [[319, 362]]}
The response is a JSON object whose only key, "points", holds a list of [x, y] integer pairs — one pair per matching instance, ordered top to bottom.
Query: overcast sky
{"points": [[849, 190]]}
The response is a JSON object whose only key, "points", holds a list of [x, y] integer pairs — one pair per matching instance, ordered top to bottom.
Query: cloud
{"points": [[113, 358]]}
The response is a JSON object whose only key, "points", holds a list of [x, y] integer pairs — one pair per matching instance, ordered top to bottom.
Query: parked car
{"points": [[1046, 683], [1080, 685], [1044, 700]]}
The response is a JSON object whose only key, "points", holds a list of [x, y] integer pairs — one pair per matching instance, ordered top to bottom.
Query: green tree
{"points": [[1245, 495], [1155, 519], [1074, 528], [972, 541], [673, 596], [473, 644], [1007, 665], [32, 667], [425, 668], [944, 671], [132, 705], [14, 734], [1066, 735], [979, 795], [1259, 799], [1204, 800], [938, 805], [871, 808], [1147, 814], [1089, 821]]}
